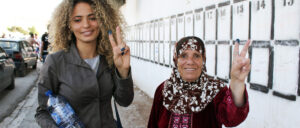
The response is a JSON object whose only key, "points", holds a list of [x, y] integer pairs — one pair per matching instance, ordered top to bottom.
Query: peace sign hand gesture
{"points": [[121, 53], [239, 71]]}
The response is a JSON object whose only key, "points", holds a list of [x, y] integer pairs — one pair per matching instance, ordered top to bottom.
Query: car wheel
{"points": [[34, 66], [22, 70], [23, 73], [12, 84]]}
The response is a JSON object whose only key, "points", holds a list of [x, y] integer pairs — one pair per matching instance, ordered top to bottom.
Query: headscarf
{"points": [[183, 97]]}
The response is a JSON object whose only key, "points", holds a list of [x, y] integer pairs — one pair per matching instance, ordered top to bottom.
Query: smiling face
{"points": [[84, 23], [189, 65]]}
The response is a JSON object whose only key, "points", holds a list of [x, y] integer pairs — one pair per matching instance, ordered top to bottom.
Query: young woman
{"points": [[88, 66], [191, 99]]}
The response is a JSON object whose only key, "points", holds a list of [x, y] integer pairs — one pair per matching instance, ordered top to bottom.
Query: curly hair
{"points": [[61, 36]]}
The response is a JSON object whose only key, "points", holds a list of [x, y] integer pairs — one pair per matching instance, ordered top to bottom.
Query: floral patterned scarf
{"points": [[183, 97]]}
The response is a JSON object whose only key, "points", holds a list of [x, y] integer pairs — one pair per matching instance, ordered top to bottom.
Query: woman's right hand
{"points": [[121, 53], [239, 71]]}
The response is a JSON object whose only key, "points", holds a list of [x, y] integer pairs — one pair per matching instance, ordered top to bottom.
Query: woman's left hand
{"points": [[121, 53], [239, 71]]}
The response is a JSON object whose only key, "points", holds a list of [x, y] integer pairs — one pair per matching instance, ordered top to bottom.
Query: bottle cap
{"points": [[48, 93]]}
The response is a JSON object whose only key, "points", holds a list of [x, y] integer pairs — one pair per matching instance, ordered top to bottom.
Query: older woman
{"points": [[88, 66], [191, 99]]}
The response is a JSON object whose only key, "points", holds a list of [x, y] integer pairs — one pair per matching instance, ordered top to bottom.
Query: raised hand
{"points": [[121, 53], [241, 64], [239, 71]]}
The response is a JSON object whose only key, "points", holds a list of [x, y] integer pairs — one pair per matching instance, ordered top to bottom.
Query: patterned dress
{"points": [[221, 110]]}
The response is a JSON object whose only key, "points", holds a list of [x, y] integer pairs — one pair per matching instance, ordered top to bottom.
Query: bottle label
{"points": [[56, 118]]}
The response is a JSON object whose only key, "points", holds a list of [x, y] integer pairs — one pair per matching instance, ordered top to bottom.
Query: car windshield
{"points": [[9, 45]]}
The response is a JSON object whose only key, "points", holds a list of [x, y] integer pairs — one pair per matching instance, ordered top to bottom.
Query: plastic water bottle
{"points": [[61, 112]]}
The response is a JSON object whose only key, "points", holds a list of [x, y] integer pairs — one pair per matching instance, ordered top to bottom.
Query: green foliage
{"points": [[12, 29], [17, 29], [21, 30], [32, 30]]}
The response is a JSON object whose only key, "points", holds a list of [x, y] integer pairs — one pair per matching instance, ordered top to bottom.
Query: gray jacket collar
{"points": [[72, 57]]}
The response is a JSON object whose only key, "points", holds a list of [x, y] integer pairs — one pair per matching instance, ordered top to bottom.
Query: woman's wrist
{"points": [[123, 72], [238, 88]]}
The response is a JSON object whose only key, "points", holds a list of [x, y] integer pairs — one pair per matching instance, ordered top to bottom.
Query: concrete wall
{"points": [[273, 27]]}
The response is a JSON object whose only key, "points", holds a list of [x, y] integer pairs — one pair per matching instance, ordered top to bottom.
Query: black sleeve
{"points": [[43, 37], [123, 93]]}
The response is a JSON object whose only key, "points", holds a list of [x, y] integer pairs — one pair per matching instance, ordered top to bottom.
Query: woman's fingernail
{"points": [[109, 32], [238, 41], [122, 49]]}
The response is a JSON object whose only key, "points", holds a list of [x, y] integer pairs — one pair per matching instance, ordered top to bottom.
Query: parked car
{"points": [[21, 52], [7, 68]]}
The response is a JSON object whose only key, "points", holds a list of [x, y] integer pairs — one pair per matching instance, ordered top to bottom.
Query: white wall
{"points": [[146, 10], [274, 55], [147, 76]]}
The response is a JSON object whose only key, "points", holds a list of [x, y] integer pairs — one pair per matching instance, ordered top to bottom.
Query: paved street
{"points": [[9, 99], [137, 114], [23, 115], [134, 116]]}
